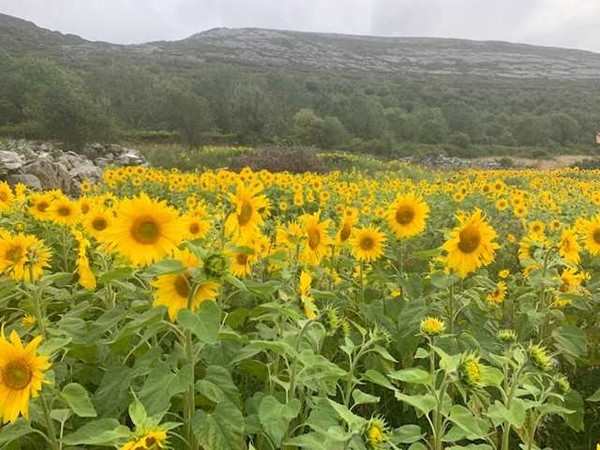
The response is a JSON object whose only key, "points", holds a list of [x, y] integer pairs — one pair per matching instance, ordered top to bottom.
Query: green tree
{"points": [[190, 114]]}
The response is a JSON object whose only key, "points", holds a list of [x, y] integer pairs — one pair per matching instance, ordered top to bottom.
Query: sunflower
{"points": [[6, 196], [249, 206], [39, 208], [63, 211], [407, 215], [97, 221], [196, 227], [536, 228], [145, 230], [591, 230], [316, 240], [368, 244], [471, 245], [569, 247], [23, 257], [242, 260], [173, 290], [496, 297], [308, 302], [21, 375], [147, 439]]}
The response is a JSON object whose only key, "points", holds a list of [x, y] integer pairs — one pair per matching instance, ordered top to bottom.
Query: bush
{"points": [[279, 158]]}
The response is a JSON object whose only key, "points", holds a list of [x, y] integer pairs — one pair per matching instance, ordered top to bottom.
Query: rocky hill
{"points": [[260, 49]]}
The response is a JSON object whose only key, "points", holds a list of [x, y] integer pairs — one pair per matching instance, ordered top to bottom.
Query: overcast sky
{"points": [[561, 23]]}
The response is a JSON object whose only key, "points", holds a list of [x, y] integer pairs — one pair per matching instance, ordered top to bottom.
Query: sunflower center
{"points": [[3, 196], [42, 206], [85, 208], [63, 211], [245, 214], [405, 214], [99, 224], [194, 228], [145, 231], [345, 233], [596, 235], [314, 238], [469, 239], [367, 243], [14, 254], [241, 259], [182, 286], [16, 374]]}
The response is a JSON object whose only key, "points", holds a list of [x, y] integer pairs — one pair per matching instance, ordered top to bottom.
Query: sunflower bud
{"points": [[216, 265], [432, 326], [507, 336], [538, 356], [469, 371], [562, 384], [375, 434]]}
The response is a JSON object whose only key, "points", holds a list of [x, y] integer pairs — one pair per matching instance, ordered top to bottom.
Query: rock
{"points": [[10, 160], [42, 165], [51, 174], [25, 178]]}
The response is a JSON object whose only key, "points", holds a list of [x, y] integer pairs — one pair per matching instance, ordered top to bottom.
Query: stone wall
{"points": [[43, 165]]}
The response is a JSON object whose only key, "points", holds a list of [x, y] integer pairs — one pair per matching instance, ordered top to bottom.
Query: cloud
{"points": [[542, 22]]}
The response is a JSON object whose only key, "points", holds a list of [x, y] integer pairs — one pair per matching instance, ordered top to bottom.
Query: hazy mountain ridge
{"points": [[264, 48]]}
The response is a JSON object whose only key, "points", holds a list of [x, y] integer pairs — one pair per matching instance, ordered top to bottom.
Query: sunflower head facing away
{"points": [[21, 375]]}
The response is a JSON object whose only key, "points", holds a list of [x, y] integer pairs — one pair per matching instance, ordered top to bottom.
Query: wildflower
{"points": [[407, 215], [368, 244], [538, 356], [469, 371]]}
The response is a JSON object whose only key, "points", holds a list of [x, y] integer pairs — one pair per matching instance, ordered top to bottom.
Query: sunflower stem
{"points": [[50, 432]]}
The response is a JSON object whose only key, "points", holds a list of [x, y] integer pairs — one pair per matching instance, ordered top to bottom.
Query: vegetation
{"points": [[223, 104], [230, 310]]}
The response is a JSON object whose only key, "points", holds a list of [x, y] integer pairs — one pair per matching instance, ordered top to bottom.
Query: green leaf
{"points": [[164, 267], [120, 273], [442, 281], [205, 323], [570, 339], [382, 351], [411, 375], [490, 376], [377, 378], [210, 390], [595, 397], [361, 398], [78, 400], [424, 403], [574, 403], [137, 413], [60, 415], [515, 415], [275, 417], [464, 419], [354, 422], [221, 429], [15, 431], [105, 432], [407, 434], [316, 441]]}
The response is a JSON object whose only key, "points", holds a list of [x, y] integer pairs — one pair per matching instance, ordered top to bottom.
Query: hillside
{"points": [[316, 51], [392, 96]]}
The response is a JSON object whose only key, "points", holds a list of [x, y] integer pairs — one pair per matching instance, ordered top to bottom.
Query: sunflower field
{"points": [[219, 310]]}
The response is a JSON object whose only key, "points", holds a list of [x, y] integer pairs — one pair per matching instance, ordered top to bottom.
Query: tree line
{"points": [[42, 98]]}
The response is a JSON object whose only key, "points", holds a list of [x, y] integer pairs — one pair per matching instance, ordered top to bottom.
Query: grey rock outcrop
{"points": [[41, 165]]}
